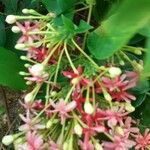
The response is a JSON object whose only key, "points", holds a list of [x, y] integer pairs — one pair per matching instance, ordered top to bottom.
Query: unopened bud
{"points": [[25, 11], [10, 19], [15, 29], [20, 46], [23, 58], [121, 62], [27, 65], [138, 66], [114, 71], [23, 73], [75, 81], [29, 82], [53, 93], [107, 97], [28, 98], [129, 107], [88, 108], [49, 124], [78, 129], [119, 130], [8, 139], [65, 146], [98, 146]]}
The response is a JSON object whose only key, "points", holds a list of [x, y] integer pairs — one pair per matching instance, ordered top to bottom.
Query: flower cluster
{"points": [[87, 112]]}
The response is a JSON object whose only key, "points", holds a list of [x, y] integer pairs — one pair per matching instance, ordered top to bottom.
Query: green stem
{"points": [[32, 17], [88, 21], [42, 32], [81, 50], [51, 53], [69, 59], [58, 66], [69, 93]]}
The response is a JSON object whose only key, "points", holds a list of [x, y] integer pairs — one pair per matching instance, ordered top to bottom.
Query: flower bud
{"points": [[25, 11], [10, 19], [15, 29], [20, 46], [23, 58], [27, 65], [138, 66], [37, 70], [114, 71], [23, 73], [74, 81], [28, 82], [53, 93], [107, 97], [28, 98], [129, 107], [88, 108], [49, 124], [78, 129], [119, 130], [8, 139], [65, 146], [98, 146]]}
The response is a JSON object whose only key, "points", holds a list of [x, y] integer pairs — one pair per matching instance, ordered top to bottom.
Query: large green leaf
{"points": [[59, 6], [119, 28], [147, 59], [10, 65]]}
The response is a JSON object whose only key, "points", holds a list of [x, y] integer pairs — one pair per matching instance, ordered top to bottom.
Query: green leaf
{"points": [[91, 2], [10, 5], [52, 6], [59, 6], [68, 24], [83, 27], [119, 28], [2, 31], [10, 65], [146, 71]]}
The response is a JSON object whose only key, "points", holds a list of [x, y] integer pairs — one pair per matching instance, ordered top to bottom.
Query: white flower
{"points": [[10, 19], [15, 29], [37, 70], [114, 71], [88, 108], [8, 139]]}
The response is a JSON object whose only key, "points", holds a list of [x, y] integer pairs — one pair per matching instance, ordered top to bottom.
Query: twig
{"points": [[4, 97]]}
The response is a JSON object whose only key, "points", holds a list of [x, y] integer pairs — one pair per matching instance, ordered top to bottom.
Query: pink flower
{"points": [[25, 28], [38, 54], [38, 73], [78, 79], [118, 86], [63, 109], [112, 116], [29, 125], [127, 127], [34, 141], [143, 141], [119, 143], [86, 145], [54, 146]]}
